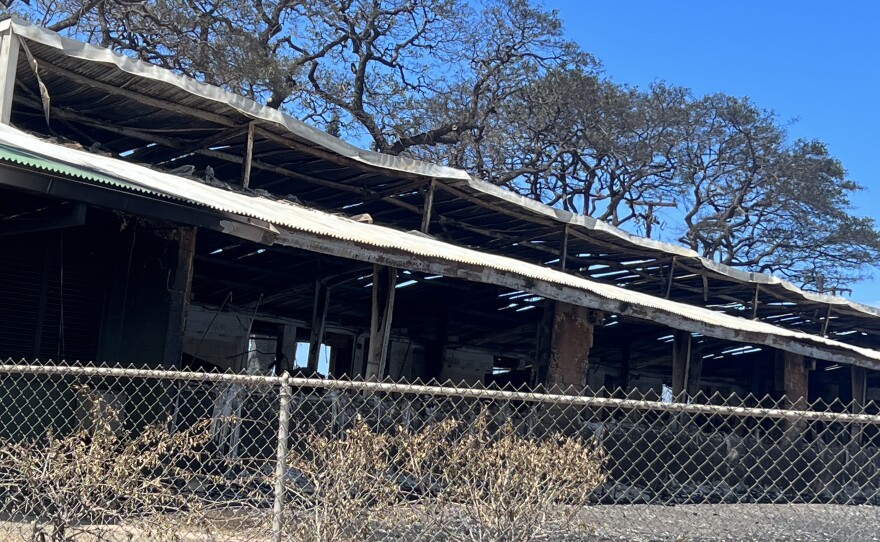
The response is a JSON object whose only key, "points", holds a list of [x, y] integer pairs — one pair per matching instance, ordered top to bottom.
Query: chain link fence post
{"points": [[281, 457]]}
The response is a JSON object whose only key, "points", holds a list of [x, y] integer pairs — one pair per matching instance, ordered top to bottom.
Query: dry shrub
{"points": [[453, 480], [76, 485], [341, 485], [518, 489]]}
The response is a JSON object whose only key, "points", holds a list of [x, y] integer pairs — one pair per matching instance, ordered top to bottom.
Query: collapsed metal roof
{"points": [[152, 115], [290, 224]]}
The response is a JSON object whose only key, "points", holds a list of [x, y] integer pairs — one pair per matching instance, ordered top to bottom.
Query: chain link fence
{"points": [[110, 454]]}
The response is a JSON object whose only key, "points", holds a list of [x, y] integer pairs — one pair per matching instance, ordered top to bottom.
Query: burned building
{"points": [[152, 220]]}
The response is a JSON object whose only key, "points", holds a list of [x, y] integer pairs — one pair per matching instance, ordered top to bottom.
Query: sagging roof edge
{"points": [[399, 164], [314, 230]]}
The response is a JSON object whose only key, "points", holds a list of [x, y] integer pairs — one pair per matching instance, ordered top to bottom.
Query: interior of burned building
{"points": [[87, 283]]}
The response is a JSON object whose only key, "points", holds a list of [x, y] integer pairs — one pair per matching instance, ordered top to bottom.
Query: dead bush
{"points": [[456, 480], [71, 486], [340, 486], [511, 488]]}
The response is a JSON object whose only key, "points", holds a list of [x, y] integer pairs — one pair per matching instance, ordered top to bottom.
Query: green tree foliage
{"points": [[494, 87]]}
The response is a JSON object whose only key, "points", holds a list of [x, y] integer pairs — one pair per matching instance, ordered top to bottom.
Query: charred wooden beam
{"points": [[248, 156], [429, 206], [72, 215], [563, 255], [181, 290], [382, 310], [319, 324], [285, 349], [681, 362], [625, 367], [859, 384]]}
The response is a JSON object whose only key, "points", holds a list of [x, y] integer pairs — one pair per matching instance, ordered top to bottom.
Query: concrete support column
{"points": [[570, 344], [796, 380]]}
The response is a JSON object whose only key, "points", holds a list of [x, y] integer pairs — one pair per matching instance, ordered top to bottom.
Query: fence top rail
{"points": [[442, 391]]}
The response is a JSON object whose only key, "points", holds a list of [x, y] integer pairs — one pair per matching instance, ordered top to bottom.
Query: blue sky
{"points": [[817, 62]]}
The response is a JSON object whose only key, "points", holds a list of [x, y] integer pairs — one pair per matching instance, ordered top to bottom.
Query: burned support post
{"points": [[9, 46], [248, 156], [429, 206], [563, 256], [671, 277], [384, 282], [178, 302], [319, 323], [572, 338], [285, 350], [681, 363], [625, 366], [695, 370], [859, 382], [859, 388]]}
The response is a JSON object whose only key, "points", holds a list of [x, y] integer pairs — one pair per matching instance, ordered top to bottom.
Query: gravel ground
{"points": [[734, 522], [606, 523]]}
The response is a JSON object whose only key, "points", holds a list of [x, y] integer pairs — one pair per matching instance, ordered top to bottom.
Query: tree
{"points": [[399, 73], [494, 87], [757, 201]]}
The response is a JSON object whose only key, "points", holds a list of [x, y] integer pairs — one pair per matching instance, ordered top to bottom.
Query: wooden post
{"points": [[9, 46], [248, 156], [429, 206], [563, 256], [671, 277], [384, 282], [181, 289], [755, 301], [826, 321], [319, 322], [543, 340], [570, 348], [285, 351], [681, 361], [695, 370], [624, 373], [859, 381], [859, 387]]}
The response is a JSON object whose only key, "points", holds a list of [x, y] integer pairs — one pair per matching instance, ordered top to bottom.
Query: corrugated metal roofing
{"points": [[221, 102], [20, 148]]}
